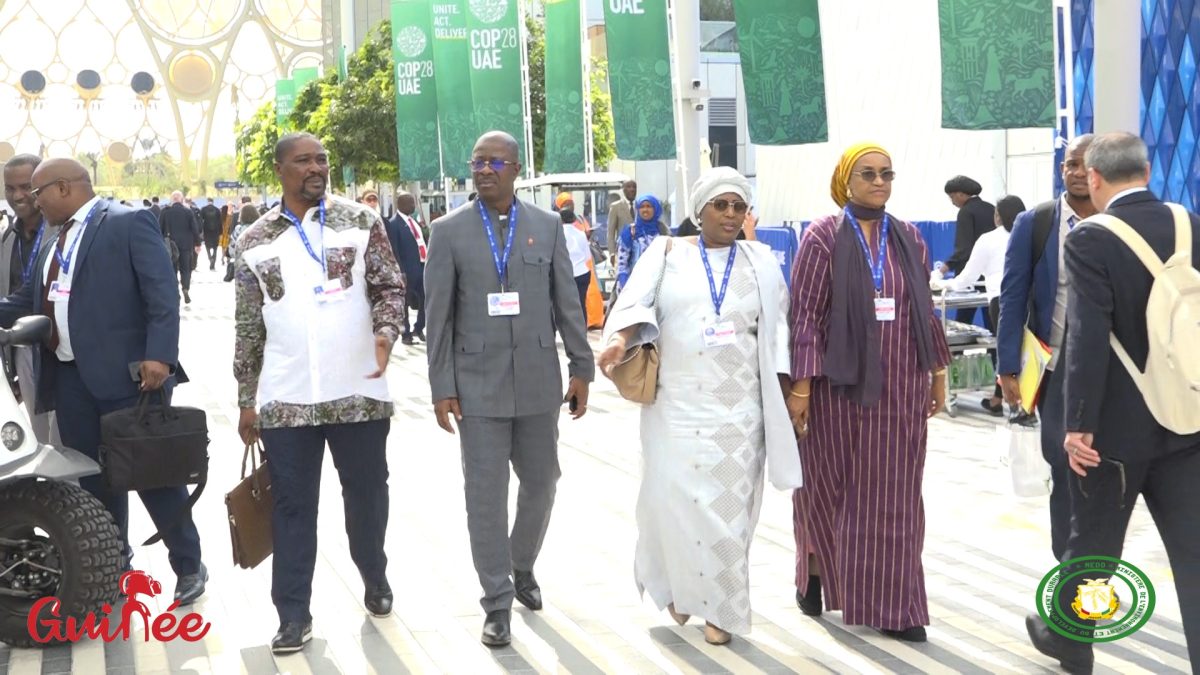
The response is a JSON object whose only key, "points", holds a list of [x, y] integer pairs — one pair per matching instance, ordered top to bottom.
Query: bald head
{"points": [[495, 165], [63, 187], [176, 197]]}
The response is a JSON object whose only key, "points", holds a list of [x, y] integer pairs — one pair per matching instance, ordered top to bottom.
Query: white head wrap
{"points": [[717, 181]]}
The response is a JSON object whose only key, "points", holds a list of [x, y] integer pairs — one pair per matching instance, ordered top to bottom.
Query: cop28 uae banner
{"points": [[452, 63], [997, 64], [783, 72], [639, 76], [497, 89], [416, 93], [285, 102], [565, 136]]}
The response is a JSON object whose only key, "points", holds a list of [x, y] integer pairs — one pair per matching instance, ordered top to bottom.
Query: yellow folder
{"points": [[1035, 355]]}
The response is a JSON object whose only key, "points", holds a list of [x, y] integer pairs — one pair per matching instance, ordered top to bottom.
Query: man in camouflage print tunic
{"points": [[320, 302]]}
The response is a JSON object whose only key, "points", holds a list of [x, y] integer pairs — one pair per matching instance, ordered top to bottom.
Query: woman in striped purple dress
{"points": [[868, 365]]}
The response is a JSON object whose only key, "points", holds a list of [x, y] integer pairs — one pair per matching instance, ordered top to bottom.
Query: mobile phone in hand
{"points": [[574, 404]]}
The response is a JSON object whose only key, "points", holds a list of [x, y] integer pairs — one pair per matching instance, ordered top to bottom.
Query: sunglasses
{"points": [[496, 165], [870, 175], [723, 205]]}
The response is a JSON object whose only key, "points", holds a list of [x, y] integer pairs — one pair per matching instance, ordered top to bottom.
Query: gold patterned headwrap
{"points": [[839, 187]]}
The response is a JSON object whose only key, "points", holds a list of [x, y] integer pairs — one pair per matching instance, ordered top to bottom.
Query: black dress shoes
{"points": [[420, 335], [191, 586], [528, 591], [378, 600], [810, 602], [496, 628], [914, 634], [291, 637], [1074, 657]]}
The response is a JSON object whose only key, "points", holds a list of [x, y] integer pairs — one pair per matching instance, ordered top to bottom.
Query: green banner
{"points": [[494, 41], [997, 64], [452, 65], [782, 71], [302, 76], [639, 76], [416, 94], [285, 102], [565, 142]]}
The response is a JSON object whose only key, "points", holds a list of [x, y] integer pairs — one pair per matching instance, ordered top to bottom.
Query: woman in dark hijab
{"points": [[868, 366]]}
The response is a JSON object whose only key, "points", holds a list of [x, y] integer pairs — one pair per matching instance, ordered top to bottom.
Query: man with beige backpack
{"points": [[1132, 384]]}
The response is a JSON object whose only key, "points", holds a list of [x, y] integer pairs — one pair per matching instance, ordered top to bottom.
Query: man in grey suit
{"points": [[620, 215], [19, 245], [497, 283]]}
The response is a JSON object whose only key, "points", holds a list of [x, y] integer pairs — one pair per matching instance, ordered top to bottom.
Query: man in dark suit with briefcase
{"points": [[107, 285], [1116, 443]]}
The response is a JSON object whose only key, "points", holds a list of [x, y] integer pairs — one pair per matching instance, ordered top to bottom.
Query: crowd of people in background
{"points": [[822, 384]]}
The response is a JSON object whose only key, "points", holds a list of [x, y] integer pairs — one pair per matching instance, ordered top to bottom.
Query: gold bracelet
{"points": [[792, 393]]}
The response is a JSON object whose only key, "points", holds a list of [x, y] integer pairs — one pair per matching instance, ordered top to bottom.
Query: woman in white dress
{"points": [[720, 323]]}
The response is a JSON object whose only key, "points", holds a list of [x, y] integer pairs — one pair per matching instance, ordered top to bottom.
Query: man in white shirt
{"points": [[581, 252], [987, 261], [319, 304]]}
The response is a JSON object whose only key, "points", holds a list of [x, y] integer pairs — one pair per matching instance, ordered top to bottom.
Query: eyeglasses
{"points": [[497, 165], [870, 175], [37, 191], [723, 205]]}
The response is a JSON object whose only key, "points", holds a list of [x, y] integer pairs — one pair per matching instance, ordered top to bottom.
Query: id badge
{"points": [[58, 292], [329, 292], [504, 304], [885, 309], [719, 334]]}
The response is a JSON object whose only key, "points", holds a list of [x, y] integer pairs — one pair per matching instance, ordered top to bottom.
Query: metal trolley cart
{"points": [[961, 337]]}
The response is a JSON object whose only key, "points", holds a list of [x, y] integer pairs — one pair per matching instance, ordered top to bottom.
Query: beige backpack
{"points": [[1171, 382]]}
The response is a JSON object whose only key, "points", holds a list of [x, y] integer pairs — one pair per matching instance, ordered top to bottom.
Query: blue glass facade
{"points": [[1171, 97]]}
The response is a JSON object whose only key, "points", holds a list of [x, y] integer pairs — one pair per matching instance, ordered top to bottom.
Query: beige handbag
{"points": [[636, 376]]}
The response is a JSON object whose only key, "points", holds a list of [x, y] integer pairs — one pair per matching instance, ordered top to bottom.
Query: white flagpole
{"points": [[586, 91], [528, 123]]}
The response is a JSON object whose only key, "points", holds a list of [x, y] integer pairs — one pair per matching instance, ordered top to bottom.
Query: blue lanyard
{"points": [[304, 237], [501, 262], [64, 263], [877, 265], [27, 272], [718, 299]]}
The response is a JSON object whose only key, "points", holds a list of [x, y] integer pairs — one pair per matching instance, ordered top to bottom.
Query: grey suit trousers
{"points": [[45, 425], [489, 444]]}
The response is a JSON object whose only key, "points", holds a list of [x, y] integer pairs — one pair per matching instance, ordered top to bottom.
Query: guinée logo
{"points": [[489, 11], [46, 624]]}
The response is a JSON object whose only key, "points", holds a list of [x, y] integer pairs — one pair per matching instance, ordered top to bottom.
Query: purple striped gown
{"points": [[860, 510]]}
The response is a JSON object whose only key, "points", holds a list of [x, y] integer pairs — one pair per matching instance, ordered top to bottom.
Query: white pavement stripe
{"points": [[87, 657], [25, 662]]}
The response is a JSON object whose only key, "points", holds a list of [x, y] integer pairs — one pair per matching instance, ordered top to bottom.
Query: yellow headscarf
{"points": [[839, 187]]}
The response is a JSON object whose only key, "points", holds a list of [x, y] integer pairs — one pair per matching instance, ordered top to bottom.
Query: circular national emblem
{"points": [[489, 11], [411, 41], [1095, 599]]}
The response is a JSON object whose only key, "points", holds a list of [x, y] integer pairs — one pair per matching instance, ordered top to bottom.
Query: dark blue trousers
{"points": [[1053, 420], [79, 426], [294, 458]]}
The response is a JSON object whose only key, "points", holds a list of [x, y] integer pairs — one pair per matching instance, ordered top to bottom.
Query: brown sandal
{"points": [[715, 636]]}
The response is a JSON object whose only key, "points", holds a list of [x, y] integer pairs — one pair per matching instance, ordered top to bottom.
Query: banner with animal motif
{"points": [[997, 64], [783, 72], [639, 78], [565, 138]]}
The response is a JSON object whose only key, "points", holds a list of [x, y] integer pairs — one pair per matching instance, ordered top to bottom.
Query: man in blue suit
{"points": [[408, 245], [108, 286], [1033, 293]]}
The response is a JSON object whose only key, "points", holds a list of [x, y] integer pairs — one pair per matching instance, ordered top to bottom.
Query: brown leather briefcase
{"points": [[250, 504]]}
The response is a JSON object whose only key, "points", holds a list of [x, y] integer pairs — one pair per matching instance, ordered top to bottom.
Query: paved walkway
{"points": [[985, 552]]}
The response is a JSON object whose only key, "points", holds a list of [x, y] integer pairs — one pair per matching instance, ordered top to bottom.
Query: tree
{"points": [[311, 113], [362, 116], [255, 147]]}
